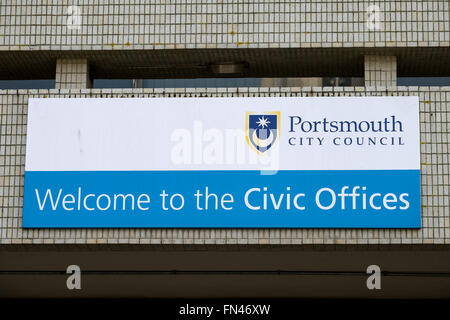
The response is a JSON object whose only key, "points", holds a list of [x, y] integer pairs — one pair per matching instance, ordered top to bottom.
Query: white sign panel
{"points": [[223, 162]]}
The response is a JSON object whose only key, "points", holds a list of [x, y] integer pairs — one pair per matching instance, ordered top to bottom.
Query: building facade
{"points": [[76, 42]]}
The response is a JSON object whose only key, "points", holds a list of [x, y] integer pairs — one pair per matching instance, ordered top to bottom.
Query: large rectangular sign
{"points": [[278, 162]]}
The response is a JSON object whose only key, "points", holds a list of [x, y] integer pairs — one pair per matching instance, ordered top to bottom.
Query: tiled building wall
{"points": [[167, 24], [380, 71], [72, 74], [435, 137]]}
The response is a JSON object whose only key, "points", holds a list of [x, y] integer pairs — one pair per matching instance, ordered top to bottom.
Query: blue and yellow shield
{"points": [[262, 130]]}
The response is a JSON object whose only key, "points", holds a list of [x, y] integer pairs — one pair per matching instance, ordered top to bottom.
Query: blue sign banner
{"points": [[223, 199]]}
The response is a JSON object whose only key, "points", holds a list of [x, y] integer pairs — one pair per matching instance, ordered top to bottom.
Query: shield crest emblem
{"points": [[262, 130]]}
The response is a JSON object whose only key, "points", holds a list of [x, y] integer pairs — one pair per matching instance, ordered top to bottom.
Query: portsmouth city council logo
{"points": [[262, 130]]}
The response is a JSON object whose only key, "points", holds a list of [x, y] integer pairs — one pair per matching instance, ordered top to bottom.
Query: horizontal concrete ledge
{"points": [[195, 63], [220, 247], [227, 272], [213, 273], [223, 286]]}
